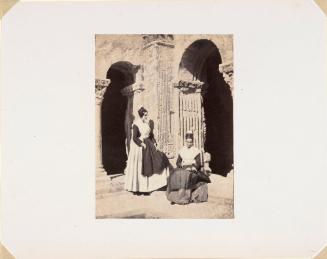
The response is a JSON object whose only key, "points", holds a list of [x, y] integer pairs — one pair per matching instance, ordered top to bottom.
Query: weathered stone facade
{"points": [[184, 81]]}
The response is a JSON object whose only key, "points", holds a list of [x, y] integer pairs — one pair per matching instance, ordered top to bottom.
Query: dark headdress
{"points": [[142, 111], [189, 134]]}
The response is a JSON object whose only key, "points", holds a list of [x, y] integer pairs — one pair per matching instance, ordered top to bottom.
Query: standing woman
{"points": [[147, 168]]}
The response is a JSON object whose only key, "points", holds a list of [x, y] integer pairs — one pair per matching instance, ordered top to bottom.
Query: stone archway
{"points": [[200, 65], [113, 117]]}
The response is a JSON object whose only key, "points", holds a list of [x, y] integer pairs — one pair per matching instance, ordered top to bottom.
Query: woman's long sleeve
{"points": [[136, 135], [151, 136], [179, 162]]}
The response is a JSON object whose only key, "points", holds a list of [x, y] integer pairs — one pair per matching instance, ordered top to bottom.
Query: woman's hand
{"points": [[143, 145], [188, 163]]}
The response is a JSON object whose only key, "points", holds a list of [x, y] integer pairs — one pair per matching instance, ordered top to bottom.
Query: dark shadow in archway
{"points": [[202, 59], [114, 155]]}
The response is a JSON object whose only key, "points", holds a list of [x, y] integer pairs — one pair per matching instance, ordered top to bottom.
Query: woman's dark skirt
{"points": [[154, 161], [187, 186]]}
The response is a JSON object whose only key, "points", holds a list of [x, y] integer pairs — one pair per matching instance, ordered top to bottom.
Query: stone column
{"points": [[159, 54], [227, 69], [134, 101], [191, 116], [102, 180]]}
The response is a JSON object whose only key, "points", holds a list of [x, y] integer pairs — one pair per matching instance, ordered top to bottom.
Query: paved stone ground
{"points": [[122, 204]]}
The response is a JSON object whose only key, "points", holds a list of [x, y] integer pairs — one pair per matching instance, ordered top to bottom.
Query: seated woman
{"points": [[187, 183]]}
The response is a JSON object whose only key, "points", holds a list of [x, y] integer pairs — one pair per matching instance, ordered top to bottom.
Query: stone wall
{"points": [[110, 49], [159, 59]]}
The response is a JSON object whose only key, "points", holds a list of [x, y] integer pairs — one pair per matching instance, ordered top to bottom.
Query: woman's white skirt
{"points": [[134, 180]]}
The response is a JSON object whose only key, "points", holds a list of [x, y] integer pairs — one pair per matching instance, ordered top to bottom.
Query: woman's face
{"points": [[145, 117], [189, 142]]}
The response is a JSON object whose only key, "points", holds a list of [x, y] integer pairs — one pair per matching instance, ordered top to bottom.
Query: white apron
{"points": [[134, 180]]}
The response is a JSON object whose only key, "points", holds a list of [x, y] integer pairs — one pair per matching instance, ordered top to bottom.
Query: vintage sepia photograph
{"points": [[164, 126], [120, 142]]}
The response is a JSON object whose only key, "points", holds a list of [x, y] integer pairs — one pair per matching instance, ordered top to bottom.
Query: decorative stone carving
{"points": [[158, 39], [228, 72], [189, 86], [100, 88], [132, 89], [133, 93], [190, 110], [191, 116]]}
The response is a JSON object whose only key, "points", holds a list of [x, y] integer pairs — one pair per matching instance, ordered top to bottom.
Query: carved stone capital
{"points": [[166, 40], [227, 70], [190, 86], [100, 88], [132, 89]]}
